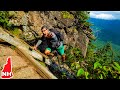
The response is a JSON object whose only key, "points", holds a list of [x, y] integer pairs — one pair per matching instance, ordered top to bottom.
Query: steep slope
{"points": [[30, 23], [27, 25], [19, 64]]}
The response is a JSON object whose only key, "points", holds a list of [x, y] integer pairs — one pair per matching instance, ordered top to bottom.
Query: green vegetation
{"points": [[67, 15], [83, 16], [4, 20], [16, 32], [116, 48], [98, 64]]}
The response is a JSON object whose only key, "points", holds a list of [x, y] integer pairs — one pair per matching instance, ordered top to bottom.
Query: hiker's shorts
{"points": [[60, 49]]}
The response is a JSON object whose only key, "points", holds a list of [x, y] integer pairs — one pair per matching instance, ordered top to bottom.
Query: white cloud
{"points": [[92, 14], [109, 15], [105, 16]]}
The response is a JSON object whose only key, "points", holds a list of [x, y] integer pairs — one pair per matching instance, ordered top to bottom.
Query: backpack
{"points": [[58, 34]]}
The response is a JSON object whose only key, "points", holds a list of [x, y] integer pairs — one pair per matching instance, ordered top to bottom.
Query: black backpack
{"points": [[58, 34]]}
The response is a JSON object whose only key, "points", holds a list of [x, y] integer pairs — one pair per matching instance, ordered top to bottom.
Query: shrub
{"points": [[67, 15], [4, 20], [99, 63]]}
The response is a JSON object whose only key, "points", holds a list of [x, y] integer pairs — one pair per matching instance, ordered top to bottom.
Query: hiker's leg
{"points": [[42, 47], [47, 51], [61, 52], [63, 57]]}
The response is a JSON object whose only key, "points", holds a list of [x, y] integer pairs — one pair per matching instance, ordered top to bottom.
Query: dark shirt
{"points": [[52, 42]]}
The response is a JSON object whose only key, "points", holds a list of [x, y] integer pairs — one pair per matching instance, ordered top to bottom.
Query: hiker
{"points": [[49, 42]]}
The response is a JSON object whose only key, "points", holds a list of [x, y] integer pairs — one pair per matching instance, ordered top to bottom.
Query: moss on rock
{"points": [[67, 15], [16, 32]]}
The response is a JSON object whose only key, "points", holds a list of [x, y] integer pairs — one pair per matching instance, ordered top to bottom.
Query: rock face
{"points": [[31, 22], [21, 68]]}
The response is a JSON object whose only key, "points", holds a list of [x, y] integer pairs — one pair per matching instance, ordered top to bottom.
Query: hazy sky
{"points": [[109, 15]]}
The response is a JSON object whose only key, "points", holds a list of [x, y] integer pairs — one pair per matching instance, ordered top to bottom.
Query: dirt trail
{"points": [[21, 68]]}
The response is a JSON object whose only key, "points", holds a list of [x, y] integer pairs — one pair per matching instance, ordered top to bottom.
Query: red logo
{"points": [[6, 73]]}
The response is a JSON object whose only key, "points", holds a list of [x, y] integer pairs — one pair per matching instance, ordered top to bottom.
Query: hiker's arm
{"points": [[38, 43]]}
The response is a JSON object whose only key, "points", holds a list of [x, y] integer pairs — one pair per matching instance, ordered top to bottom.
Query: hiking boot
{"points": [[63, 58]]}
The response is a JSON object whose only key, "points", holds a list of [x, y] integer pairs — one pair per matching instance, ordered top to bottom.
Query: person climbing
{"points": [[50, 41]]}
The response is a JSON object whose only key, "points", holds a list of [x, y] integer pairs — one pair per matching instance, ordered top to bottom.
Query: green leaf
{"points": [[97, 64], [77, 65], [117, 65], [73, 66], [114, 67], [104, 68], [80, 72], [119, 72], [104, 73], [86, 75], [101, 76]]}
